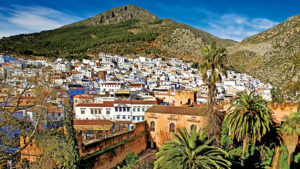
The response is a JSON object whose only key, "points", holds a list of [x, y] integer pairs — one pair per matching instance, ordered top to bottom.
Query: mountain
{"points": [[117, 15], [125, 30], [271, 56]]}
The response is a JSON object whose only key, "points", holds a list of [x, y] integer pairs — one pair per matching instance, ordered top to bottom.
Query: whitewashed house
{"points": [[88, 111]]}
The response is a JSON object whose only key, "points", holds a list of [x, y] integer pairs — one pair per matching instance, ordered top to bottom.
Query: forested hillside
{"points": [[123, 30]]}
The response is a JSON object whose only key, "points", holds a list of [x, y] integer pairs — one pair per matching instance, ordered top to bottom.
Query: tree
{"points": [[211, 69], [277, 96], [249, 118], [12, 121], [291, 131], [70, 135], [55, 150], [192, 150], [131, 158]]}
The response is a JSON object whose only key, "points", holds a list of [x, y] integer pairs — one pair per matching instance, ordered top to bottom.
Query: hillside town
{"points": [[149, 85], [117, 88], [113, 96]]}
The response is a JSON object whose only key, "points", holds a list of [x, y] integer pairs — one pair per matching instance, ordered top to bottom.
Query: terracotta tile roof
{"points": [[111, 83], [135, 85], [78, 88], [84, 96], [123, 101], [136, 101], [143, 102], [104, 104], [218, 107], [194, 111], [92, 122]]}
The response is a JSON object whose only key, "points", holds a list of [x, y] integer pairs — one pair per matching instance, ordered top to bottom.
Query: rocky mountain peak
{"points": [[119, 14]]}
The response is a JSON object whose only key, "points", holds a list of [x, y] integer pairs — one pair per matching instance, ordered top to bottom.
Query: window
{"points": [[120, 108], [128, 108], [116, 109], [124, 109], [134, 109], [138, 109], [143, 109], [82, 111], [92, 111], [99, 111], [107, 111], [59, 114], [118, 116], [124, 116], [128, 116], [133, 118], [138, 118], [143, 118], [152, 126], [172, 127]]}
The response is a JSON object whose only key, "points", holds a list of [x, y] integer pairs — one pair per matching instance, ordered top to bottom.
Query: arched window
{"points": [[152, 126], [193, 126], [172, 127]]}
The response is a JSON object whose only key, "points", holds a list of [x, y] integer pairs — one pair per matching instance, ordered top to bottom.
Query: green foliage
{"points": [[159, 21], [75, 40], [212, 61], [195, 65], [277, 96], [249, 116], [291, 124], [71, 137], [226, 140], [55, 147], [192, 150], [235, 152], [266, 155], [284, 157], [131, 158], [297, 158], [131, 161]]}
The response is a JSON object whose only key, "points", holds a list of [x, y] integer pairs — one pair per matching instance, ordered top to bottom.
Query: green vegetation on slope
{"points": [[122, 30], [73, 41]]}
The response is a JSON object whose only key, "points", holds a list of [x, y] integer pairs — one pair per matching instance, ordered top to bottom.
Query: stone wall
{"points": [[184, 97], [283, 109], [162, 122], [111, 151], [31, 152], [111, 159]]}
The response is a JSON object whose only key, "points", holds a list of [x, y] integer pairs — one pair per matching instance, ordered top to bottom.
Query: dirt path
{"points": [[148, 156]]}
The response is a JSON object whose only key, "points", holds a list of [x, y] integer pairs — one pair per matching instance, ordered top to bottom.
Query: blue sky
{"points": [[231, 19]]}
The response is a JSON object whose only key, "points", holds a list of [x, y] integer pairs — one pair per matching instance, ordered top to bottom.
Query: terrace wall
{"points": [[111, 151]]}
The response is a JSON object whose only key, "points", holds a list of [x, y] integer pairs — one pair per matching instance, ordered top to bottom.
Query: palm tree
{"points": [[211, 68], [249, 118], [192, 150]]}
